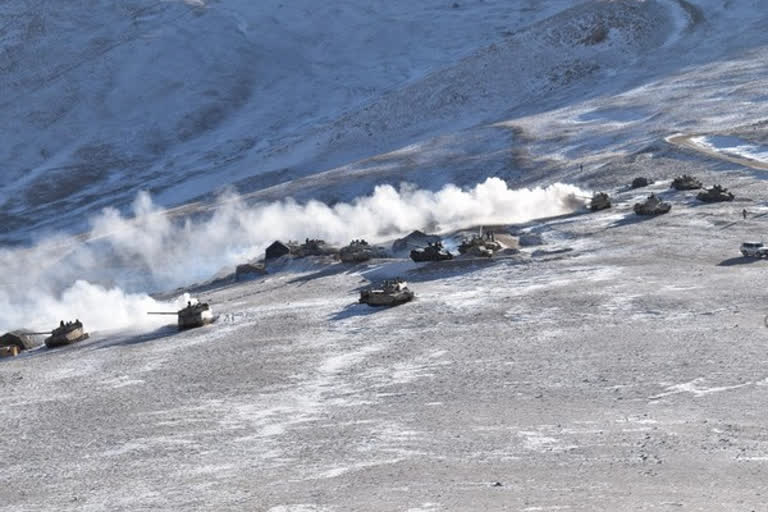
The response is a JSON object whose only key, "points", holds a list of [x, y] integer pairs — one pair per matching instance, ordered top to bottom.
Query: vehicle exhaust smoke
{"points": [[102, 279]]}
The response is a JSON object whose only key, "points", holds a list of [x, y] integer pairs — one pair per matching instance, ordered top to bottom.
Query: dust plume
{"points": [[103, 279]]}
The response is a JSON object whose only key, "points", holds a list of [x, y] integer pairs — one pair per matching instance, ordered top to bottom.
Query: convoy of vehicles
{"points": [[390, 292]]}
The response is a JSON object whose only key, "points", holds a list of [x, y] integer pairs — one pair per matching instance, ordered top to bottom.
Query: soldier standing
{"points": [[744, 213]]}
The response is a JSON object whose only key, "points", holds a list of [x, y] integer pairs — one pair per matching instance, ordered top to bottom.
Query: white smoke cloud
{"points": [[102, 279]]}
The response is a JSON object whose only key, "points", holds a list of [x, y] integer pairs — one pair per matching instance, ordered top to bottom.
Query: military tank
{"points": [[641, 182], [685, 182], [715, 194], [599, 201], [652, 206], [414, 239], [480, 246], [311, 247], [359, 251], [432, 252], [391, 293], [193, 315], [66, 333], [21, 339]]}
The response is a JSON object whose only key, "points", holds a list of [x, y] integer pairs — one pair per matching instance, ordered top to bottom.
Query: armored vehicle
{"points": [[641, 182], [685, 182], [715, 194], [600, 201], [652, 206], [415, 239], [481, 246], [311, 247], [359, 251], [432, 252], [391, 293], [193, 315], [66, 334], [21, 339]]}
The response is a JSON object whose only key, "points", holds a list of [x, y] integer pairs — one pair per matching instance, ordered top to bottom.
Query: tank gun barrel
{"points": [[162, 313], [38, 333]]}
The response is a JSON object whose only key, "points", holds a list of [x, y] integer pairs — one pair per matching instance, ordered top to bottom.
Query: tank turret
{"points": [[685, 182], [715, 194], [599, 201], [652, 206], [432, 252], [391, 292], [193, 315], [66, 334]]}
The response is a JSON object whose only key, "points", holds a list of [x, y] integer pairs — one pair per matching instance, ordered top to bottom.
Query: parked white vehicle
{"points": [[754, 250]]}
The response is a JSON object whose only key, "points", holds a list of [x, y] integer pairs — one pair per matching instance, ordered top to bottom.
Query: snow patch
{"points": [[733, 146]]}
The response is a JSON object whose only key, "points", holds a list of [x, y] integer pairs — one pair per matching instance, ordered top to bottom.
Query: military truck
{"points": [[685, 182], [715, 194], [599, 201], [652, 206], [432, 252], [391, 293], [66, 334]]}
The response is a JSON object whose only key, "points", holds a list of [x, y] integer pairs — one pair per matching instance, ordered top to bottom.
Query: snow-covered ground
{"points": [[182, 98], [733, 146], [619, 364], [626, 374]]}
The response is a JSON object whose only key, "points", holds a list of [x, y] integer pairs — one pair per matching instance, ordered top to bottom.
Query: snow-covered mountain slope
{"points": [[182, 98], [102, 99], [327, 102], [615, 363]]}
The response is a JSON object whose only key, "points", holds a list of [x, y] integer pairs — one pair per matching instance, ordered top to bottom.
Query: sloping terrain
{"points": [[110, 99], [180, 99], [616, 363], [624, 374]]}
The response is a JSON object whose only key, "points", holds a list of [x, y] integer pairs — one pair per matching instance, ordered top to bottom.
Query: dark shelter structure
{"points": [[276, 250]]}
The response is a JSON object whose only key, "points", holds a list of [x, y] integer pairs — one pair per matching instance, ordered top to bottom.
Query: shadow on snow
{"points": [[738, 260], [356, 309]]}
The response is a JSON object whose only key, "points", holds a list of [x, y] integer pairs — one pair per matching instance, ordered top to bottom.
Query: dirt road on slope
{"points": [[686, 141]]}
